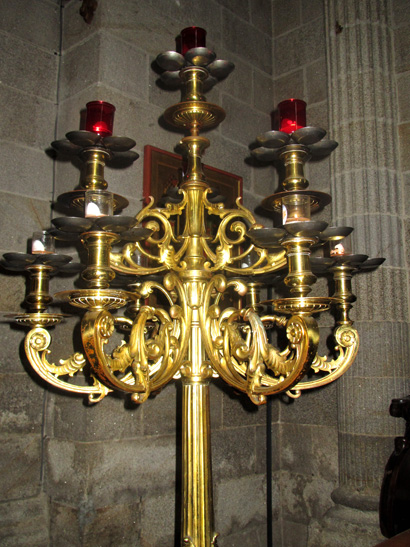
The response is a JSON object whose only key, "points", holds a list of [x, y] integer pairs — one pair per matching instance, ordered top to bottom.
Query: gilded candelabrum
{"points": [[179, 327]]}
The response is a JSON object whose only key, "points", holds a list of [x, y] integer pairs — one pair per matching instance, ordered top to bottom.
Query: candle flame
{"points": [[338, 250]]}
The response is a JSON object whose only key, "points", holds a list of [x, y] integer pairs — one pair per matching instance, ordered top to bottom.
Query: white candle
{"points": [[92, 210], [37, 247], [338, 250]]}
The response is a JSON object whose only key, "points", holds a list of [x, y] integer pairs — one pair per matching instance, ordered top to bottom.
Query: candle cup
{"points": [[192, 37], [292, 115], [100, 118], [98, 203], [295, 208], [42, 243], [341, 247]]}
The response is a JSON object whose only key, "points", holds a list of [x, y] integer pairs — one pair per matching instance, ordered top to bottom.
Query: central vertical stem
{"points": [[197, 502]]}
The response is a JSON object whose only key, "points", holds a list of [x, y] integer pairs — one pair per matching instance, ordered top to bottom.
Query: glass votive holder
{"points": [[192, 37], [292, 115], [100, 118], [98, 203], [295, 208], [42, 243], [341, 247]]}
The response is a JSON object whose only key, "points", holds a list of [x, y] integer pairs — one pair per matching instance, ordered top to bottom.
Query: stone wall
{"points": [[29, 74]]}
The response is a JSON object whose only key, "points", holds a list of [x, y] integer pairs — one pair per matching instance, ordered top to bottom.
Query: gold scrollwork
{"points": [[237, 221], [228, 255], [167, 257], [347, 339], [37, 343], [237, 346], [150, 358]]}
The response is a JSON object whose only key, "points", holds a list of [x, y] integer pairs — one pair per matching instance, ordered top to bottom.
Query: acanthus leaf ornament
{"points": [[37, 345]]}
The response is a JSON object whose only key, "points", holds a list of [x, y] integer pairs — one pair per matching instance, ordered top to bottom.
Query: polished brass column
{"points": [[197, 501]]}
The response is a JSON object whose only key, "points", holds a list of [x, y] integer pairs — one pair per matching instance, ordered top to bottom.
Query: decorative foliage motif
{"points": [[37, 343], [348, 344]]}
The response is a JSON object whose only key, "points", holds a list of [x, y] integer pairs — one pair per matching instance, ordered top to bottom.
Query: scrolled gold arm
{"points": [[347, 339], [37, 343], [240, 353], [148, 361], [269, 371]]}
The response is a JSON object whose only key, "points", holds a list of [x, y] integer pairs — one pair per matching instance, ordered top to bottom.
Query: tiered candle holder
{"points": [[189, 336]]}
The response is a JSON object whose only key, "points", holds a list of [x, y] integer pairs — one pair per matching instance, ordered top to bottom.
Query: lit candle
{"points": [[191, 37], [292, 115], [100, 118], [98, 203], [295, 208], [42, 243], [337, 248]]}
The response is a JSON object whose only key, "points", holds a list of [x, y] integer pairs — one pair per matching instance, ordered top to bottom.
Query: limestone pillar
{"points": [[367, 194]]}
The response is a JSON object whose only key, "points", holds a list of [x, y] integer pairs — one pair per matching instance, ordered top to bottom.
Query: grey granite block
{"points": [[239, 8], [261, 15], [285, 19], [18, 20], [238, 36], [298, 47], [80, 66], [123, 66], [34, 70], [316, 81], [288, 86], [27, 120], [243, 127], [26, 171], [21, 216], [21, 404], [314, 406], [238, 410], [160, 412], [76, 420], [233, 452], [150, 461], [20, 475], [305, 495], [231, 513], [158, 519], [24, 522], [294, 533]]}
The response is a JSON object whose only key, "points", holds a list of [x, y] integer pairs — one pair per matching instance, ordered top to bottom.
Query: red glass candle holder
{"points": [[191, 37], [292, 115], [100, 118]]}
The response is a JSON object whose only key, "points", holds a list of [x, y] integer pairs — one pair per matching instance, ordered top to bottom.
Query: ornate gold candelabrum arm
{"points": [[346, 336]]}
